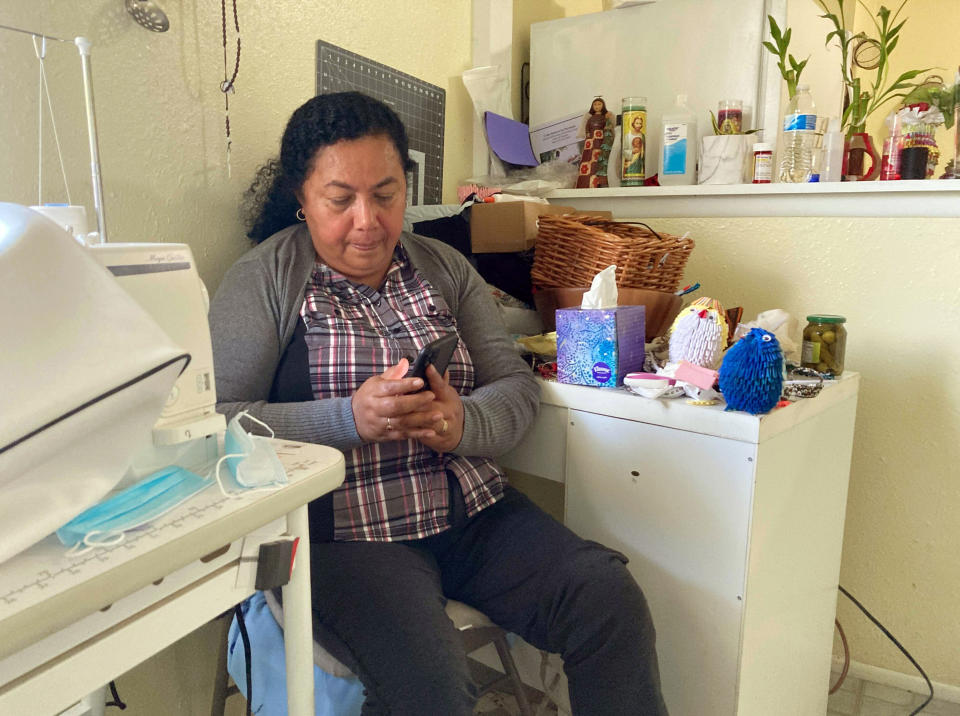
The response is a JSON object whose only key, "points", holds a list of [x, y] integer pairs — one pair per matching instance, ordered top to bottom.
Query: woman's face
{"points": [[597, 106], [353, 200]]}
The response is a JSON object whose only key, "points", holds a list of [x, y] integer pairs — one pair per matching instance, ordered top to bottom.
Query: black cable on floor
{"points": [[245, 638], [892, 638], [117, 701]]}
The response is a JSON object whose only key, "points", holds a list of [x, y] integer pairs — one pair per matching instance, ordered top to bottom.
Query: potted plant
{"points": [[865, 95], [723, 155]]}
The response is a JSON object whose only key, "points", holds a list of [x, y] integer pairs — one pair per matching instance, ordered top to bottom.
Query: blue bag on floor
{"points": [[333, 696]]}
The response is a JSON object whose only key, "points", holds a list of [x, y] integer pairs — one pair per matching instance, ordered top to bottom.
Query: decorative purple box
{"points": [[599, 346]]}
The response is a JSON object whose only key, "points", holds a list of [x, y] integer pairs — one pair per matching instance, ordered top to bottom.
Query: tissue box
{"points": [[507, 226], [599, 346]]}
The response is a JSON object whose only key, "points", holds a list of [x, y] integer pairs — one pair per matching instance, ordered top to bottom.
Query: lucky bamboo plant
{"points": [[790, 69], [864, 97]]}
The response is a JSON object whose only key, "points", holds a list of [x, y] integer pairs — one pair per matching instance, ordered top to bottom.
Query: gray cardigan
{"points": [[254, 313]]}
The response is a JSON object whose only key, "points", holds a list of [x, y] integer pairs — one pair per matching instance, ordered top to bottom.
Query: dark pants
{"points": [[378, 607]]}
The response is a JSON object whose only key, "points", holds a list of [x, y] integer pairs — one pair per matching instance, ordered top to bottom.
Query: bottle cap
{"points": [[763, 147], [826, 318]]}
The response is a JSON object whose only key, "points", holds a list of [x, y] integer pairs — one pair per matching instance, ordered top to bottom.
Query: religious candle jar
{"points": [[730, 116], [633, 125]]}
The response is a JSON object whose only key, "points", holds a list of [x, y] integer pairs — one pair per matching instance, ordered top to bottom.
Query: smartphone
{"points": [[437, 352]]}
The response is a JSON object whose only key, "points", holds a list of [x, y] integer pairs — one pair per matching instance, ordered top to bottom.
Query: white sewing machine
{"points": [[163, 279], [105, 375]]}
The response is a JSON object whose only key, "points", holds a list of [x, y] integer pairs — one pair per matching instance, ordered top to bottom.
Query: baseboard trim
{"points": [[907, 682]]}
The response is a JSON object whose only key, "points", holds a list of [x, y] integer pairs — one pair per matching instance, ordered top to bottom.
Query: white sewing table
{"points": [[733, 525], [70, 625]]}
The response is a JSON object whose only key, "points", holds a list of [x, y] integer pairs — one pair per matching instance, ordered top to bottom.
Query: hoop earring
{"points": [[300, 215]]}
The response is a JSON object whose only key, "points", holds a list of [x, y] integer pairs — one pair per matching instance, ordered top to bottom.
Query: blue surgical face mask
{"points": [[251, 459], [105, 522]]}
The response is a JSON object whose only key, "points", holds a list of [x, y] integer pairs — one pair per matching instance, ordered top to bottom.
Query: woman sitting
{"points": [[313, 332]]}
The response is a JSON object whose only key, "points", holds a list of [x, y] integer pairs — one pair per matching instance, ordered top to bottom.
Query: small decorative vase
{"points": [[855, 147], [722, 158]]}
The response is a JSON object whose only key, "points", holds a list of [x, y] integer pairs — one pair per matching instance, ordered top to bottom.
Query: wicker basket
{"points": [[571, 249]]}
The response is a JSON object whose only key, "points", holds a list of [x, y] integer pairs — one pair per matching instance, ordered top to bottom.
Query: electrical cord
{"points": [[245, 638], [896, 643], [846, 658], [117, 701]]}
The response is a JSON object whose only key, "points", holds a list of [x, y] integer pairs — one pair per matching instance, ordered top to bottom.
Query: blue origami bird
{"points": [[751, 375]]}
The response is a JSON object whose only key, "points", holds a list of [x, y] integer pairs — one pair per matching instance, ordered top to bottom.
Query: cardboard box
{"points": [[507, 226], [599, 346]]}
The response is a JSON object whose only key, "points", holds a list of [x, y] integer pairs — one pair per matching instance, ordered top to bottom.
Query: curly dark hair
{"points": [[270, 204]]}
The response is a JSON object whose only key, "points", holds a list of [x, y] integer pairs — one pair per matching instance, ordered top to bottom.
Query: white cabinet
{"points": [[681, 513], [733, 525]]}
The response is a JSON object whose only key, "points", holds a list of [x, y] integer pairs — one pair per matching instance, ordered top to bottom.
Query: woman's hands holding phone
{"points": [[391, 407], [445, 413]]}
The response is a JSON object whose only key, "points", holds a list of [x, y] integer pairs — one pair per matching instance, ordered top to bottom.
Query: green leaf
{"points": [[884, 14], [774, 29], [830, 34], [770, 47], [713, 121]]}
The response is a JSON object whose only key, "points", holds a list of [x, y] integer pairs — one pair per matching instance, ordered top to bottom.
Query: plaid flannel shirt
{"points": [[393, 490]]}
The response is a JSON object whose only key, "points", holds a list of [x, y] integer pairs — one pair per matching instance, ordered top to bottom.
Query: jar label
{"points": [[675, 148], [762, 168], [633, 169], [810, 352]]}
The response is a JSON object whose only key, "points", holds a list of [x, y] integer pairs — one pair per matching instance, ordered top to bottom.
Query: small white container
{"points": [[678, 145], [832, 167]]}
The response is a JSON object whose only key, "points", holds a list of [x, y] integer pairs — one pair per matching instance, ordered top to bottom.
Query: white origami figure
{"points": [[699, 334]]}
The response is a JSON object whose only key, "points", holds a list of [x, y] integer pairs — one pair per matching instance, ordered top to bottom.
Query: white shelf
{"points": [[924, 198]]}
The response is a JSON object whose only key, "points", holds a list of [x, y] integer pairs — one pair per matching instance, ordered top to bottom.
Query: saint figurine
{"points": [[598, 141]]}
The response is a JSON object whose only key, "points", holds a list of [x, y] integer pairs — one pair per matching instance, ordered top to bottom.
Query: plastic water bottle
{"points": [[799, 137]]}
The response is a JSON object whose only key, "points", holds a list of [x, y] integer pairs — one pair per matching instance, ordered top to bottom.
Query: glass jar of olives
{"points": [[824, 343]]}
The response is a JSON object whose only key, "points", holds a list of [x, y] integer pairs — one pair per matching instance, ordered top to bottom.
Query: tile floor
{"points": [[858, 697]]}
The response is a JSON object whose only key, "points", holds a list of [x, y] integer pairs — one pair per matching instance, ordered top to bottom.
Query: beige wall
{"points": [[161, 114], [895, 281]]}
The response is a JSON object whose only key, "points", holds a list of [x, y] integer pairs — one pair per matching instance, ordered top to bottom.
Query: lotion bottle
{"points": [[678, 145]]}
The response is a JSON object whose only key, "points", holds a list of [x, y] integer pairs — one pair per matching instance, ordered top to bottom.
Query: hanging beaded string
{"points": [[227, 86]]}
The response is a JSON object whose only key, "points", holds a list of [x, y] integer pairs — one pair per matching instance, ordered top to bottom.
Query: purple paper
{"points": [[509, 139]]}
